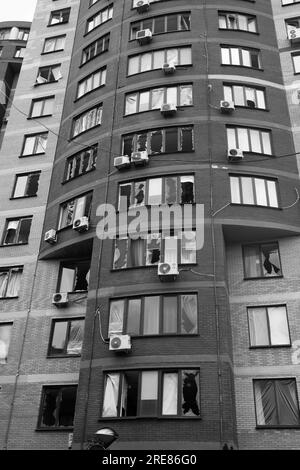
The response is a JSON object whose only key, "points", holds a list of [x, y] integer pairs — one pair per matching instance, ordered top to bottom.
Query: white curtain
{"points": [[3, 283], [14, 283], [189, 314], [116, 317], [5, 332], [75, 338], [170, 394], [110, 404]]}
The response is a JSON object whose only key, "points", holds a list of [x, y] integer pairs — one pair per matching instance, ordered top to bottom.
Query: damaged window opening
{"points": [[81, 163], [26, 185], [74, 209], [17, 231], [262, 260], [74, 276], [10, 279], [5, 336], [66, 337], [157, 393], [57, 406]]}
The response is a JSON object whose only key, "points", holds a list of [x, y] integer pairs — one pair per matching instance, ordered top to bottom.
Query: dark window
{"points": [[59, 16], [95, 48], [48, 74], [87, 120], [81, 163], [26, 185], [74, 209], [16, 231], [262, 260], [74, 276], [10, 279], [268, 326], [66, 337], [276, 402], [57, 406]]}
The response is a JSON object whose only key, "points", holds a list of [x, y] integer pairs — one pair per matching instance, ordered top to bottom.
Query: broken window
{"points": [[59, 16], [49, 74], [87, 120], [171, 139], [186, 139], [141, 140], [35, 144], [156, 146], [81, 163], [26, 185], [187, 189], [170, 190], [139, 193], [74, 209], [17, 231], [153, 249], [120, 255], [262, 260], [74, 276], [10, 281], [188, 314], [268, 326], [5, 335], [66, 337], [190, 393], [111, 394], [129, 394], [276, 402], [58, 406]]}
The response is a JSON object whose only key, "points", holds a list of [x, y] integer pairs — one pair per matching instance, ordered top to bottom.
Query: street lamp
{"points": [[103, 438]]}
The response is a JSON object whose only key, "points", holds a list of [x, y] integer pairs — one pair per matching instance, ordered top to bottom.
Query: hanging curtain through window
{"points": [[137, 252], [3, 283], [14, 283], [189, 314], [116, 317], [75, 338], [170, 394], [110, 404]]}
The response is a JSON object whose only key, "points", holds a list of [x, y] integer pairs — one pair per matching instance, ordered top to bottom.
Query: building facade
{"points": [[190, 334]]}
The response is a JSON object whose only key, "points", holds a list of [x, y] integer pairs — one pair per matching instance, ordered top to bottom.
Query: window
{"points": [[135, 2], [289, 2], [59, 16], [99, 18], [238, 21], [292, 23], [163, 24], [4, 34], [23, 34], [53, 44], [95, 48], [1, 49], [19, 53], [235, 55], [153, 60], [296, 62], [48, 74], [91, 82], [245, 95], [146, 100], [42, 107], [87, 120], [249, 139], [159, 141], [35, 144], [81, 163], [26, 184], [167, 190], [253, 191], [74, 209], [16, 231], [154, 248], [262, 260], [74, 276], [10, 279], [154, 315], [268, 326], [5, 334], [66, 337], [161, 393], [276, 402], [57, 406]]}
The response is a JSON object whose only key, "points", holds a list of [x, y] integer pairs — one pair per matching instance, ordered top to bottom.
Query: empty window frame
{"points": [[59, 16], [99, 18], [237, 21], [163, 24], [56, 43], [96, 48], [19, 53], [242, 56], [153, 60], [296, 62], [49, 74], [91, 82], [245, 95], [146, 100], [42, 107], [87, 120], [249, 139], [160, 141], [35, 144], [81, 163], [26, 185], [171, 189], [253, 191], [74, 209], [16, 231], [154, 248], [262, 260], [74, 276], [10, 279], [154, 315], [268, 326], [5, 335], [66, 337], [157, 393], [276, 402], [57, 407]]}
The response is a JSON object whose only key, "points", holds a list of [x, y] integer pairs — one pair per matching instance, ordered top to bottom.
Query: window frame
{"points": [[110, 10], [61, 11], [237, 14], [154, 18], [55, 38], [86, 51], [152, 52], [241, 60], [50, 68], [102, 71], [245, 86], [42, 100], [77, 119], [248, 129], [36, 144], [91, 165], [37, 172], [254, 191], [75, 198], [17, 232], [259, 245], [75, 262], [9, 270], [69, 320], [270, 345], [4, 361], [45, 387]]}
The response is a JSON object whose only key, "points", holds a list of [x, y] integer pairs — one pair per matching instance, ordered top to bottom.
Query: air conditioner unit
{"points": [[142, 6], [294, 35], [144, 36], [168, 69], [227, 106], [168, 109], [235, 155], [140, 158], [122, 162], [81, 224], [50, 236], [167, 271], [60, 299], [119, 343]]}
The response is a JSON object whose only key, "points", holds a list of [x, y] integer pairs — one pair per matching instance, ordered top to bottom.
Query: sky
{"points": [[19, 10]]}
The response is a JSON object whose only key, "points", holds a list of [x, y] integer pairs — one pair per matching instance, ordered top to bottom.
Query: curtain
{"points": [[56, 73], [11, 232], [188, 247], [137, 252], [120, 256], [3, 282], [14, 283], [170, 314], [189, 314], [151, 315], [116, 317], [258, 326], [5, 332], [75, 337], [170, 394], [276, 402], [110, 404], [288, 412]]}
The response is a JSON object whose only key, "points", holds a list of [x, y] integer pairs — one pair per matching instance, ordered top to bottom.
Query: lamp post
{"points": [[103, 438]]}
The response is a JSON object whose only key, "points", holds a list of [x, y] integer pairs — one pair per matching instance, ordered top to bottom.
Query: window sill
{"points": [[57, 24], [240, 31], [166, 32], [52, 52], [242, 66], [178, 67], [45, 83], [89, 92], [179, 108], [252, 109], [30, 118], [84, 132], [31, 155], [78, 176], [22, 197], [255, 205], [14, 244], [148, 266], [262, 278], [6, 298], [163, 335], [275, 346], [62, 356], [131, 418], [295, 426], [57, 429]]}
